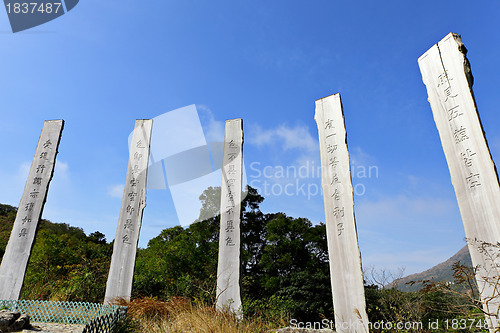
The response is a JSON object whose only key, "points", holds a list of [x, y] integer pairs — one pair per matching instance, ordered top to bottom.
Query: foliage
{"points": [[281, 257], [65, 264], [284, 275]]}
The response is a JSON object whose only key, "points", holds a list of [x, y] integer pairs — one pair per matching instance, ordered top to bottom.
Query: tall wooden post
{"points": [[447, 76], [18, 250], [345, 258], [121, 271], [228, 271]]}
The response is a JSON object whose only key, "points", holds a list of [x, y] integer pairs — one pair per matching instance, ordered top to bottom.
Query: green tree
{"points": [[283, 261]]}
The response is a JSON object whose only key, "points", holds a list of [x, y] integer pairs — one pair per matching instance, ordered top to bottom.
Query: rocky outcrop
{"points": [[13, 321]]}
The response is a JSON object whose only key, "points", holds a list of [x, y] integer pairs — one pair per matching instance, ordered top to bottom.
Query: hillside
{"points": [[65, 263], [440, 272]]}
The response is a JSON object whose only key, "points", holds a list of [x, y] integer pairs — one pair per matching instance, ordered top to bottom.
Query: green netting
{"points": [[65, 312], [106, 323]]}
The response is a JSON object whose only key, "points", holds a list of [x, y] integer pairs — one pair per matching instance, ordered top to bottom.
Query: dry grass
{"points": [[149, 315]]}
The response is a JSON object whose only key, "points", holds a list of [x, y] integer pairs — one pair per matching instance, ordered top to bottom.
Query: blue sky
{"points": [[107, 63]]}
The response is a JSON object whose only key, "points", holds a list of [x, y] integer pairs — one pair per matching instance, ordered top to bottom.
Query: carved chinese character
{"points": [[444, 79], [449, 94], [454, 112], [329, 124], [330, 135], [460, 135], [47, 144], [139, 144], [232, 144], [331, 148], [43, 156], [137, 156], [231, 156], [467, 157], [333, 162], [40, 168], [135, 168], [231, 170], [335, 180], [473, 180], [37, 181], [134, 182], [34, 194], [132, 195], [336, 195], [29, 206], [130, 209], [230, 211], [338, 212], [26, 220], [128, 224], [230, 226], [340, 228], [23, 232], [126, 239], [229, 241]]}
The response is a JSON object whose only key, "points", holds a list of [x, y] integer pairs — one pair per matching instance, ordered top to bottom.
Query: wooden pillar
{"points": [[447, 76], [29, 213], [345, 258], [228, 270], [121, 271]]}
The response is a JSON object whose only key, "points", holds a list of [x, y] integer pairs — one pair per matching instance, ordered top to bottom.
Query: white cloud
{"points": [[214, 129], [259, 136], [297, 137], [288, 138], [359, 157], [24, 170], [61, 170], [16, 181], [12, 183], [116, 191], [399, 207], [420, 227], [413, 261]]}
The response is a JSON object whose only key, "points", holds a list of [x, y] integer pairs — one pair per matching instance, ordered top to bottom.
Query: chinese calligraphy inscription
{"points": [[446, 75], [18, 250], [345, 259], [121, 271], [228, 284]]}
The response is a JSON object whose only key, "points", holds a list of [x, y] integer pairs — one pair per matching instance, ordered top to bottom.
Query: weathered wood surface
{"points": [[447, 77], [18, 250], [345, 258], [228, 270], [121, 272]]}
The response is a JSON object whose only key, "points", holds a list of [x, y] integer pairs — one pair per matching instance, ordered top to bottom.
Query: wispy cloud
{"points": [[213, 129], [285, 136], [359, 157], [24, 170], [62, 171], [116, 191], [400, 207], [416, 225], [413, 261]]}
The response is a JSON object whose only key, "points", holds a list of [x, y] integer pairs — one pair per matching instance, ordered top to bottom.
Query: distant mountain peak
{"points": [[438, 273]]}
